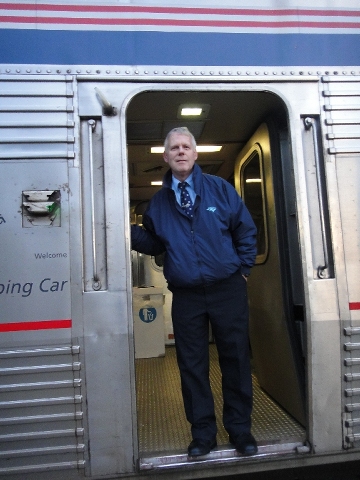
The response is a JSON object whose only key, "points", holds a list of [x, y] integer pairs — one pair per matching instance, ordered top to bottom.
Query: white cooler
{"points": [[149, 331]]}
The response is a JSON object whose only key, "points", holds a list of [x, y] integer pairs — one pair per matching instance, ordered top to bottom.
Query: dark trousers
{"points": [[225, 306]]}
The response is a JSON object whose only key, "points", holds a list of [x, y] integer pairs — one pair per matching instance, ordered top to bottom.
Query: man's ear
{"points": [[165, 157]]}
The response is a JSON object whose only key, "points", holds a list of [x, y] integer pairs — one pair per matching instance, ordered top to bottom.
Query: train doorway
{"points": [[252, 129]]}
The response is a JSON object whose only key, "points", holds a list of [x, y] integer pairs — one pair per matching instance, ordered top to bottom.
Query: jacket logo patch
{"points": [[211, 209]]}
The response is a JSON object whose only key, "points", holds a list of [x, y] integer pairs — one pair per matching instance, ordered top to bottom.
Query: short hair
{"points": [[180, 131]]}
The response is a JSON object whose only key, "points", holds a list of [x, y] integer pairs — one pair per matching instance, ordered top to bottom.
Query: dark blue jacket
{"points": [[218, 241]]}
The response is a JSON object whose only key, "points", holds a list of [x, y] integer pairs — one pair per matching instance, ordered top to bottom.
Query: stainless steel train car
{"points": [[89, 386]]}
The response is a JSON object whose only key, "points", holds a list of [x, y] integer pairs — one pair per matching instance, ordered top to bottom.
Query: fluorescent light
{"points": [[191, 111], [199, 148], [208, 148], [157, 150], [253, 180], [157, 183]]}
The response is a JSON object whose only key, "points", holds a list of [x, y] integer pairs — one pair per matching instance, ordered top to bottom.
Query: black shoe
{"points": [[245, 444], [199, 447]]}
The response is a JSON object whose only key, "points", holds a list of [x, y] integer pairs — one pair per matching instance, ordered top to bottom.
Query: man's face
{"points": [[180, 156]]}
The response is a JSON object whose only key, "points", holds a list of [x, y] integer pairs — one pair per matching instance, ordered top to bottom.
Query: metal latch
{"points": [[41, 207]]}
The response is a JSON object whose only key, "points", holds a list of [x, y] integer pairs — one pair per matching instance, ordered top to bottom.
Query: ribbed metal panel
{"points": [[342, 107], [37, 118], [352, 387], [41, 424]]}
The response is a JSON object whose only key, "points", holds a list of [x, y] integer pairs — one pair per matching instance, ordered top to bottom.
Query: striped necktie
{"points": [[185, 200]]}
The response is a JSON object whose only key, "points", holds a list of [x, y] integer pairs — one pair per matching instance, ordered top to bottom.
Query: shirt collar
{"points": [[189, 180]]}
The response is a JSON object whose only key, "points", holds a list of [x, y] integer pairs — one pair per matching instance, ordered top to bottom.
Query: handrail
{"points": [[311, 123], [96, 280]]}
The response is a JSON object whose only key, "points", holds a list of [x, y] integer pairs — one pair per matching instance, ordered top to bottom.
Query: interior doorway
{"points": [[229, 119]]}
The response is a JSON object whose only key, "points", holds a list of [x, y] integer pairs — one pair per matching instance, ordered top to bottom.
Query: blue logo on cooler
{"points": [[147, 314]]}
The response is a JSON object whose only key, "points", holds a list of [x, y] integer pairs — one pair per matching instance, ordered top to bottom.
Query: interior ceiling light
{"points": [[191, 111], [194, 111], [208, 148], [199, 149], [253, 180], [157, 183]]}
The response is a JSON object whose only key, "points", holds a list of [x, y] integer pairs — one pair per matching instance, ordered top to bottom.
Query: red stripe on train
{"points": [[178, 10], [176, 22], [354, 306], [39, 325]]}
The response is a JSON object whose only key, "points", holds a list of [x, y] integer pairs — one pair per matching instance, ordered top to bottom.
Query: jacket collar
{"points": [[197, 176]]}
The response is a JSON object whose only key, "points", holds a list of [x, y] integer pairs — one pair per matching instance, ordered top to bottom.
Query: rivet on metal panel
{"points": [[8, 70], [28, 70], [88, 71], [98, 71], [107, 71], [117, 71], [136, 72], [146, 72], [156, 72], [165, 72], [174, 72], [184, 72], [193, 72], [202, 72], [211, 72], [221, 72], [229, 72], [238, 72], [248, 73], [257, 73], [266, 73], [274, 73]]}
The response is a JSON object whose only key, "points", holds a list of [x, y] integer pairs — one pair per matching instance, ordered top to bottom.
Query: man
{"points": [[210, 243]]}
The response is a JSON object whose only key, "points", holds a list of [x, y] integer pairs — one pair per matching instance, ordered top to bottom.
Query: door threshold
{"points": [[219, 455]]}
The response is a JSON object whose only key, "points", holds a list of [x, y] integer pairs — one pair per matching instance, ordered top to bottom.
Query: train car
{"points": [[89, 386]]}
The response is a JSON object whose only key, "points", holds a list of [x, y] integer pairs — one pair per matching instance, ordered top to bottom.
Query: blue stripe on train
{"points": [[173, 48]]}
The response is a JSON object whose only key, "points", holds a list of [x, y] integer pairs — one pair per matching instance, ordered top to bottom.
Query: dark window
{"points": [[252, 185]]}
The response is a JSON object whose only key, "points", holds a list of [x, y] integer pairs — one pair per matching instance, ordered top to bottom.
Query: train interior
{"points": [[251, 133]]}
